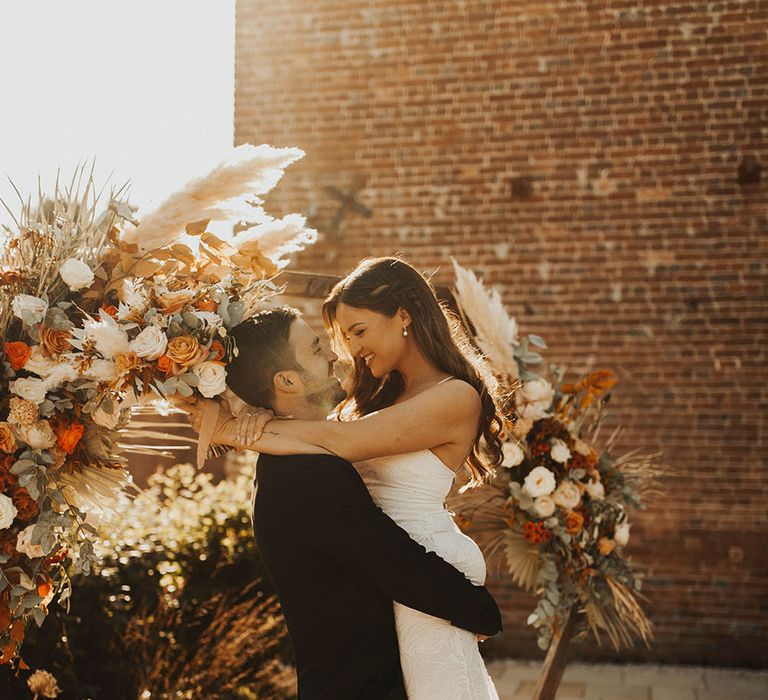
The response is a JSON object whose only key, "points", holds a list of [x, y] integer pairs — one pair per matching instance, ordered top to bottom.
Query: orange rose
{"points": [[54, 340], [218, 349], [186, 351], [17, 353], [166, 365], [67, 436], [7, 439], [8, 480], [25, 505], [574, 522], [605, 546]]}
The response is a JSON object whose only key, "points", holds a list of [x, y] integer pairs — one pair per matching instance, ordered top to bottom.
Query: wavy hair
{"points": [[385, 285]]}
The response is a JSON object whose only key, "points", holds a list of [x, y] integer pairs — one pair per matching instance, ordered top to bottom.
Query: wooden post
{"points": [[557, 657]]}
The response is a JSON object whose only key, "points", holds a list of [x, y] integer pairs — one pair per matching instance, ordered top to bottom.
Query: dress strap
{"points": [[442, 381]]}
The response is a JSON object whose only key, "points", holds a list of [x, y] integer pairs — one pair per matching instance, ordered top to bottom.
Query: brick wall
{"points": [[585, 158]]}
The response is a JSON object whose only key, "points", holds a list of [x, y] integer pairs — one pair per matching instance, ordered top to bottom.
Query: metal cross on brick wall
{"points": [[347, 202]]}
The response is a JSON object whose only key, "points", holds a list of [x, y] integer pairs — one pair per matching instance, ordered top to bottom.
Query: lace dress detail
{"points": [[439, 661]]}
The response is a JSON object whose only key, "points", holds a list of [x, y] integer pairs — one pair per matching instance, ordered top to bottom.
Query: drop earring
{"points": [[405, 332]]}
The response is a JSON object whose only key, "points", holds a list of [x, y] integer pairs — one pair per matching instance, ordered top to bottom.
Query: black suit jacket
{"points": [[337, 562]]}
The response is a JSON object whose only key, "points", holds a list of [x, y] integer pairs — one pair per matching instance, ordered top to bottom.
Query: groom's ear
{"points": [[287, 382]]}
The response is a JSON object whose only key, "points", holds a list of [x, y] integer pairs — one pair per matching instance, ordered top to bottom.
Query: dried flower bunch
{"points": [[101, 313], [556, 517]]}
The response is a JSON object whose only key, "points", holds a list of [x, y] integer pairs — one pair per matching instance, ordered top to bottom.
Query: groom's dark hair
{"points": [[264, 349]]}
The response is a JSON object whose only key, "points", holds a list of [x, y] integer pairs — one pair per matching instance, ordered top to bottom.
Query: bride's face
{"points": [[376, 339]]}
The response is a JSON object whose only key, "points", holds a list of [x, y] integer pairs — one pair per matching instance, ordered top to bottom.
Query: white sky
{"points": [[147, 87]]}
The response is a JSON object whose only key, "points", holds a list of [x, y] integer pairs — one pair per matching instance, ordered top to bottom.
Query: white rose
{"points": [[76, 274], [28, 308], [110, 339], [150, 343], [38, 363], [102, 371], [212, 378], [30, 388], [538, 390], [39, 435], [560, 452], [513, 454], [540, 482], [596, 490], [567, 495], [523, 499], [544, 506], [7, 511], [621, 534], [25, 546]]}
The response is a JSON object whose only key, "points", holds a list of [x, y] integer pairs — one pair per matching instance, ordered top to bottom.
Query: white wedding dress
{"points": [[439, 661]]}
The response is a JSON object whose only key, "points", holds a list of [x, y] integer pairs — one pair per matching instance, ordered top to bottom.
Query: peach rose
{"points": [[54, 340], [186, 351], [17, 353], [126, 361], [7, 439], [25, 505], [605, 546]]}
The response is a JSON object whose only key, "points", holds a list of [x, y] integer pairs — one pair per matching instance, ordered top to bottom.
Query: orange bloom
{"points": [[206, 304], [110, 309], [54, 341], [218, 349], [186, 351], [17, 353], [126, 361], [166, 365], [67, 436], [7, 439], [25, 505], [574, 522], [536, 533], [605, 546], [7, 547], [43, 585], [17, 631], [8, 652]]}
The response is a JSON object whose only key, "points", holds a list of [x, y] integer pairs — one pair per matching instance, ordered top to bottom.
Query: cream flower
{"points": [[76, 274], [29, 308], [212, 319], [110, 339], [150, 343], [38, 363], [102, 371], [61, 373], [212, 378], [30, 388], [534, 399], [39, 435], [560, 452], [513, 454], [540, 482], [596, 490], [567, 495], [522, 497], [544, 506], [7, 511], [621, 534], [25, 546], [43, 684]]}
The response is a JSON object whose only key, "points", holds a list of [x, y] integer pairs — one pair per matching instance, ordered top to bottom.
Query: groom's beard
{"points": [[327, 395]]}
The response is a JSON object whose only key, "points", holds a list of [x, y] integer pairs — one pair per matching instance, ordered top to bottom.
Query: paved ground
{"points": [[515, 681]]}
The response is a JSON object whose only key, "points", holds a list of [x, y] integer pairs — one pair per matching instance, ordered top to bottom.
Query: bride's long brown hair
{"points": [[385, 285]]}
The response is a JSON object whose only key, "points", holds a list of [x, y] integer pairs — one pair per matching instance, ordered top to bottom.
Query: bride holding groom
{"points": [[421, 407]]}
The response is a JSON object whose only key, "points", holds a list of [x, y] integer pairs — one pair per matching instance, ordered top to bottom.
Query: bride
{"points": [[421, 404]]}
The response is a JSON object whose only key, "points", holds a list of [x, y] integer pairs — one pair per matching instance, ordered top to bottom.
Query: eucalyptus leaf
{"points": [[537, 340], [184, 389]]}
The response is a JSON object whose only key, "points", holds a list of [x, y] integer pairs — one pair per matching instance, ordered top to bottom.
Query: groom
{"points": [[335, 559]]}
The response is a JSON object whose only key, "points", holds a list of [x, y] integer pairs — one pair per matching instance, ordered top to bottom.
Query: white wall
{"points": [[147, 87]]}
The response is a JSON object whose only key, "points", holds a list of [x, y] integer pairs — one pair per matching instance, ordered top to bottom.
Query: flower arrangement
{"points": [[100, 313], [557, 514]]}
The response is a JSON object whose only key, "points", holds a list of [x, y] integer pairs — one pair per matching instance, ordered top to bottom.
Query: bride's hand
{"points": [[250, 425]]}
